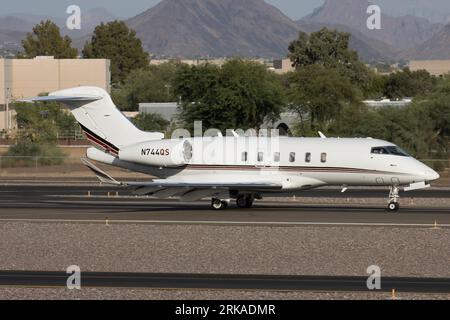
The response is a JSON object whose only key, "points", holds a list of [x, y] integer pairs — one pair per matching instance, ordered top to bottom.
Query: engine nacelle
{"points": [[159, 153]]}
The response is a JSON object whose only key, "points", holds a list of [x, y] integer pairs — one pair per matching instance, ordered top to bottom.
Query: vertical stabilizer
{"points": [[104, 125]]}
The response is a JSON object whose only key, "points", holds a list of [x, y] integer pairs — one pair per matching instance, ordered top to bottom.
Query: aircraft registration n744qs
{"points": [[238, 167]]}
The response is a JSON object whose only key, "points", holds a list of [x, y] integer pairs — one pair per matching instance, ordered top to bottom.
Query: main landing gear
{"points": [[393, 199], [243, 201]]}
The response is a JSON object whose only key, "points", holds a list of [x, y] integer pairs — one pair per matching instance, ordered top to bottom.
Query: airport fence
{"points": [[65, 137], [36, 162]]}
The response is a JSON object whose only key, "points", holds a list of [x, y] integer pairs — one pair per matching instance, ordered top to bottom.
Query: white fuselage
{"points": [[296, 163], [234, 167]]}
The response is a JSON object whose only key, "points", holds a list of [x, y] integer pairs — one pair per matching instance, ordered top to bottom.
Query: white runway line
{"points": [[245, 223]]}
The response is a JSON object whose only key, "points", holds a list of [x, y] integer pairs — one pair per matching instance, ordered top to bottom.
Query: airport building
{"points": [[280, 66], [283, 66], [434, 67], [22, 78], [387, 103], [168, 111]]}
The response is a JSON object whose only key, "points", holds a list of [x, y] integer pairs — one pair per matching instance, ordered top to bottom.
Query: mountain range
{"points": [[432, 10], [191, 28], [214, 28], [254, 28], [400, 32], [436, 48]]}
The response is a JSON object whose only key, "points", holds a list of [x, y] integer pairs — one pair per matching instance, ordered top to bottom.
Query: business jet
{"points": [[242, 168]]}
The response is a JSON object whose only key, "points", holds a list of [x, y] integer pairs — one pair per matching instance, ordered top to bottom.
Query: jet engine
{"points": [[159, 153]]}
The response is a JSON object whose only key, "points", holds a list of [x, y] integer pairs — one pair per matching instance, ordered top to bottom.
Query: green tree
{"points": [[46, 40], [115, 41], [330, 48], [151, 84], [409, 84], [377, 88], [241, 94], [321, 96], [151, 122], [422, 128], [38, 132]]}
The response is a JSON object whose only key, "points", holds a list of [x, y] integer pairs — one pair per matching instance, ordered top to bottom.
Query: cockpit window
{"points": [[379, 150], [393, 150], [397, 151]]}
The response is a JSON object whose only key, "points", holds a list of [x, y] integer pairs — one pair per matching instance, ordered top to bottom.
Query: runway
{"points": [[65, 189], [71, 204], [223, 282]]}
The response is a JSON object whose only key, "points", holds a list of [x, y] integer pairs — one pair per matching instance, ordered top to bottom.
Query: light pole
{"points": [[8, 90]]}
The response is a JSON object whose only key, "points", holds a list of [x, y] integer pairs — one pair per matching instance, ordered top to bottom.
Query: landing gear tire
{"points": [[393, 199], [244, 202], [218, 204], [393, 206]]}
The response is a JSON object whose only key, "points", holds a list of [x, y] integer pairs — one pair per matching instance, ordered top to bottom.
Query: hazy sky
{"points": [[293, 8], [296, 9]]}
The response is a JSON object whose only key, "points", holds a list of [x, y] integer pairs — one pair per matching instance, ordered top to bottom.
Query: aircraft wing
{"points": [[185, 189]]}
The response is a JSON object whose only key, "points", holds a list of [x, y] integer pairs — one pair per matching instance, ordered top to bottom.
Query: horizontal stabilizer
{"points": [[62, 99]]}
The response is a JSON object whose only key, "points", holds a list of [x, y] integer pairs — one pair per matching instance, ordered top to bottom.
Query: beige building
{"points": [[283, 66], [434, 67], [22, 78]]}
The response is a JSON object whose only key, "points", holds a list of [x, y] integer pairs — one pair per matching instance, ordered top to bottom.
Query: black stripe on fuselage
{"points": [[106, 143], [289, 168]]}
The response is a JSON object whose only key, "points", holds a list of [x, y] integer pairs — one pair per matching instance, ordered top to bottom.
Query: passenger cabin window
{"points": [[392, 150], [244, 156], [260, 156], [276, 157], [292, 157], [308, 157], [323, 157]]}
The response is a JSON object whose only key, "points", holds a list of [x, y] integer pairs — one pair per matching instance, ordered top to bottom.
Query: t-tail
{"points": [[104, 125]]}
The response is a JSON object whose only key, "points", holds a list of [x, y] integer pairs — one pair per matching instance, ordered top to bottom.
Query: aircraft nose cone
{"points": [[431, 175]]}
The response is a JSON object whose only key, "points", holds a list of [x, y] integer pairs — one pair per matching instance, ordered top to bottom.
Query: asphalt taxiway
{"points": [[72, 204], [75, 205], [222, 282]]}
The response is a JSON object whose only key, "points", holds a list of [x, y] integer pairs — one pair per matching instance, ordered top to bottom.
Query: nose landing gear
{"points": [[393, 199]]}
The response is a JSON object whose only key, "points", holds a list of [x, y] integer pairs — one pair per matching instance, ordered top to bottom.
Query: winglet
{"points": [[322, 135], [101, 175]]}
